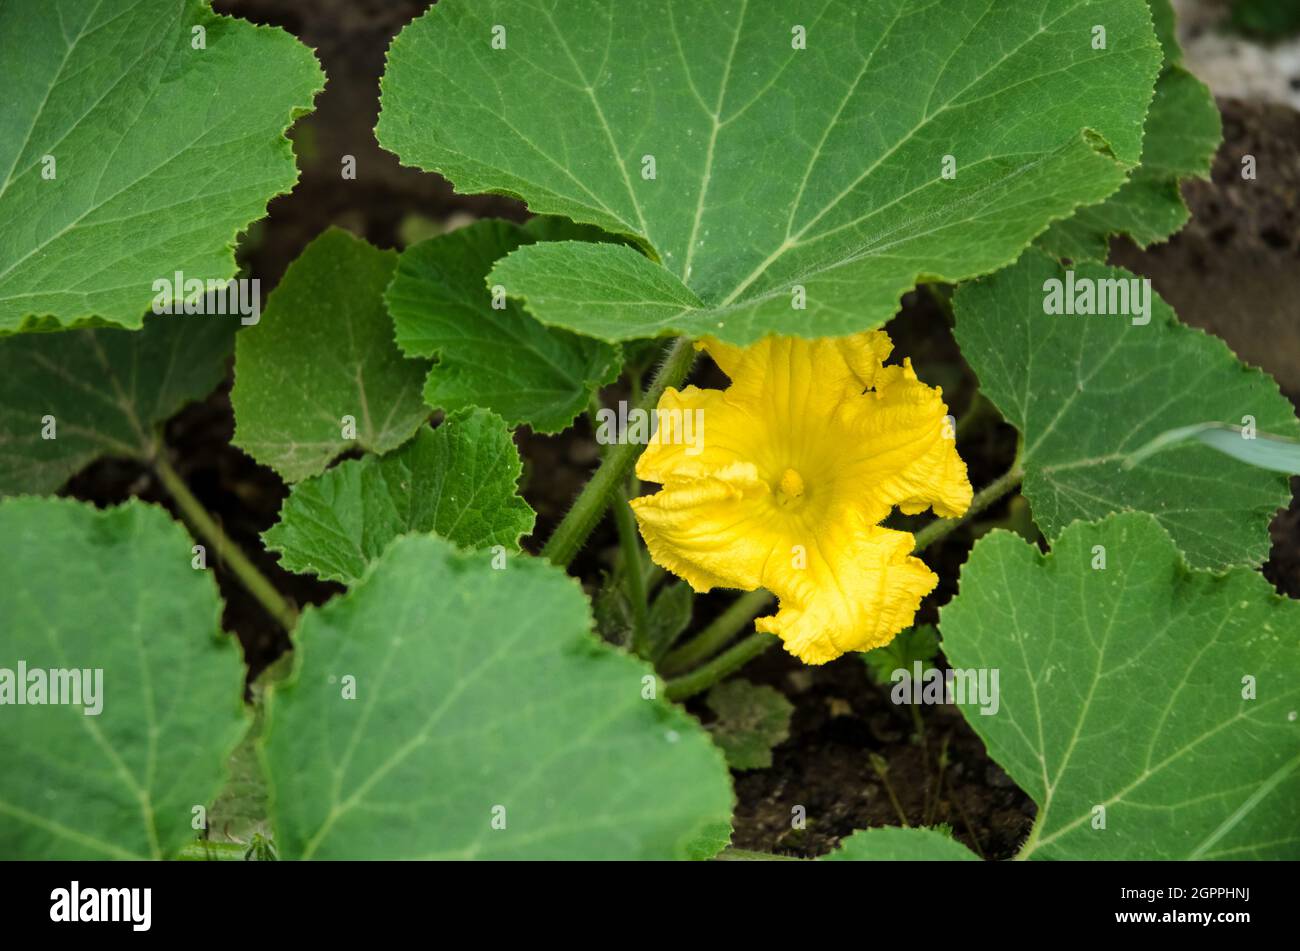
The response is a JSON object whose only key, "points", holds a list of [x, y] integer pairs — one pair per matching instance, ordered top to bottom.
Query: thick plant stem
{"points": [[590, 505], [941, 528], [633, 577], [253, 580], [724, 627], [706, 675]]}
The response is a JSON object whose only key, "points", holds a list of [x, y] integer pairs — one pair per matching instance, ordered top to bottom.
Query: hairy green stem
{"points": [[572, 532], [230, 554], [633, 576], [724, 627], [706, 675], [205, 851]]}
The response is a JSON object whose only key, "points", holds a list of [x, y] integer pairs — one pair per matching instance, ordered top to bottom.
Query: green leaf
{"points": [[1166, 24], [1183, 131], [162, 153], [775, 167], [322, 351], [501, 359], [106, 389], [1088, 392], [457, 481], [111, 591], [670, 614], [920, 643], [481, 695], [1165, 695], [751, 720], [891, 844]]}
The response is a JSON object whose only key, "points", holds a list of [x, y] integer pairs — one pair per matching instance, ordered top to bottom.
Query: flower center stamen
{"points": [[791, 488]]}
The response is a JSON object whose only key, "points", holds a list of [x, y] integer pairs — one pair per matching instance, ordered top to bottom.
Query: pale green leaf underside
{"points": [[162, 153], [774, 166], [324, 350], [501, 359], [106, 388], [1088, 392], [1262, 451], [457, 481], [112, 590], [1122, 687], [476, 689], [891, 844]]}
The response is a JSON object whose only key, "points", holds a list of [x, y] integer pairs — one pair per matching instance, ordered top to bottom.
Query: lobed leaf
{"points": [[1183, 131], [796, 149], [126, 154], [322, 351], [499, 358], [106, 389], [1088, 393], [457, 481], [111, 590], [1149, 709], [751, 720], [488, 723]]}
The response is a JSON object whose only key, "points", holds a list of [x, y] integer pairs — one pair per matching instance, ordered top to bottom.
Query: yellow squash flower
{"points": [[803, 456]]}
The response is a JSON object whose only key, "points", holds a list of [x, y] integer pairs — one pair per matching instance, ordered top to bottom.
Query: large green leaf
{"points": [[1183, 130], [162, 153], [775, 166], [322, 351], [496, 357], [106, 388], [1090, 392], [457, 481], [111, 591], [1129, 683], [481, 695], [891, 844]]}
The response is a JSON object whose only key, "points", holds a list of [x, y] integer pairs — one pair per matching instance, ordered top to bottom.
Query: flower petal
{"points": [[776, 367], [699, 432], [905, 450], [714, 531], [855, 593]]}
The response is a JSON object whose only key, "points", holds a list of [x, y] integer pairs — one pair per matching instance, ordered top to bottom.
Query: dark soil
{"points": [[851, 753]]}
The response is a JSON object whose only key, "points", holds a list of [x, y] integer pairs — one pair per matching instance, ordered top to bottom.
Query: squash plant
{"points": [[761, 181]]}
